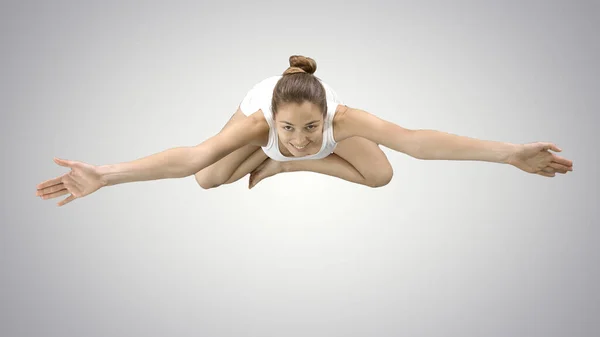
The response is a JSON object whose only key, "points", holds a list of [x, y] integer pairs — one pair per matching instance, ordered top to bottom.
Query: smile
{"points": [[300, 147]]}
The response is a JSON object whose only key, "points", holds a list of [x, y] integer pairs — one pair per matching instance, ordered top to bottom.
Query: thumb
{"points": [[551, 147], [62, 162]]}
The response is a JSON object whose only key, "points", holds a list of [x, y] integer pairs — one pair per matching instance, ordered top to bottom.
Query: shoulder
{"points": [[340, 122], [349, 122], [357, 122], [258, 123], [253, 126]]}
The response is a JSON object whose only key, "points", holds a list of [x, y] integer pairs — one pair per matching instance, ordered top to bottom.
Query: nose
{"points": [[299, 136], [301, 140]]}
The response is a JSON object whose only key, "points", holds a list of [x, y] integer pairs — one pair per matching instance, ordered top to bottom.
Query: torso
{"points": [[336, 129], [269, 138]]}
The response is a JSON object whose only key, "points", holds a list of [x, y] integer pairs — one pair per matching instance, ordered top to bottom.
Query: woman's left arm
{"points": [[437, 145]]}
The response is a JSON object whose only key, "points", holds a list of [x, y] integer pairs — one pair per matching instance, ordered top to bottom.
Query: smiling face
{"points": [[300, 128]]}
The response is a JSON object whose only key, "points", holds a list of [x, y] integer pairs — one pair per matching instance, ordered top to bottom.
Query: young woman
{"points": [[295, 122]]}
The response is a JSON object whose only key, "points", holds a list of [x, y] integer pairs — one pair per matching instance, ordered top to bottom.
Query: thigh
{"points": [[367, 158], [249, 165], [219, 172]]}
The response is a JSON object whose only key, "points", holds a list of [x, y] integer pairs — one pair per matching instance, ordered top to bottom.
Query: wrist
{"points": [[512, 151], [105, 171]]}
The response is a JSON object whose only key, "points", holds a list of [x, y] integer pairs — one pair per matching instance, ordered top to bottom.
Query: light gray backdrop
{"points": [[446, 249]]}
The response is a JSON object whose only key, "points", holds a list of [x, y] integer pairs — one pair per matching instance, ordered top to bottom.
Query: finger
{"points": [[552, 147], [562, 161], [63, 162], [560, 167], [548, 169], [551, 170], [546, 174], [49, 183], [51, 189], [55, 194], [66, 201]]}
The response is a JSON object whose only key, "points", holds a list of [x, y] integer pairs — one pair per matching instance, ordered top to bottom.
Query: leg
{"points": [[355, 159], [368, 159], [249, 165], [221, 171]]}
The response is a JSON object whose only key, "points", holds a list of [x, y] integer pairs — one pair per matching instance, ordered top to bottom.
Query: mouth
{"points": [[300, 148]]}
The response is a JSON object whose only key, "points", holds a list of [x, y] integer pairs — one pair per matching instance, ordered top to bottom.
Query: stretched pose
{"points": [[296, 122]]}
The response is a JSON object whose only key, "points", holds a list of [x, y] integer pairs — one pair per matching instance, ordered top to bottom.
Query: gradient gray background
{"points": [[448, 248]]}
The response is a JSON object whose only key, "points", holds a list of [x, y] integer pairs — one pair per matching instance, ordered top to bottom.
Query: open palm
{"points": [[536, 158], [83, 179]]}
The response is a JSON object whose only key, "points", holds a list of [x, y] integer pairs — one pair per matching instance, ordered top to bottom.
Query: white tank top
{"points": [[260, 96]]}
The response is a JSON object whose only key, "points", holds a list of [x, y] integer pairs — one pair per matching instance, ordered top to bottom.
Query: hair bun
{"points": [[301, 64]]}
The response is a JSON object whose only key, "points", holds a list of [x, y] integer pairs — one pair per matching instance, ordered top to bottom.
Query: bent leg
{"points": [[367, 158], [355, 159], [249, 165], [332, 165], [219, 173]]}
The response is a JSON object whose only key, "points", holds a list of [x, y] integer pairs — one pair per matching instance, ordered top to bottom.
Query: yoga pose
{"points": [[296, 122]]}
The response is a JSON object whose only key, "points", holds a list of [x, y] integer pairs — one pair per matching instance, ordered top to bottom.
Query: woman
{"points": [[295, 122]]}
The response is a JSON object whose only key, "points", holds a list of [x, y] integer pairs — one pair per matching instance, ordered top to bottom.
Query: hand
{"points": [[535, 158], [83, 179]]}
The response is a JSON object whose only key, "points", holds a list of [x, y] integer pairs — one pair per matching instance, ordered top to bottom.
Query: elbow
{"points": [[402, 140], [414, 146], [412, 149], [417, 155], [421, 155], [199, 157], [185, 162], [205, 180]]}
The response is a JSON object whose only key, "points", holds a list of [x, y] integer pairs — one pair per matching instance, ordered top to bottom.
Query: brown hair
{"points": [[299, 85]]}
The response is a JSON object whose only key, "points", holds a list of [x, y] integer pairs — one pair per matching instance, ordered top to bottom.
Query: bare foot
{"points": [[268, 168]]}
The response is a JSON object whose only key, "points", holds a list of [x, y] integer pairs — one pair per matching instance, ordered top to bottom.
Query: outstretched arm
{"points": [[437, 145], [184, 161], [84, 179]]}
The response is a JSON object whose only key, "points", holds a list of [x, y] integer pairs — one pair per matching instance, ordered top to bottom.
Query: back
{"points": [[259, 96]]}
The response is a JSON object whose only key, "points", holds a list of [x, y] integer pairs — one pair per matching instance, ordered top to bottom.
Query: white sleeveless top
{"points": [[260, 96]]}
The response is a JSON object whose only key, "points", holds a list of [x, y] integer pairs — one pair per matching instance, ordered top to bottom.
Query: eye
{"points": [[287, 126], [310, 127]]}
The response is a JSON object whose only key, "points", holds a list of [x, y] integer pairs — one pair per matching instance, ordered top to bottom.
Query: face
{"points": [[300, 128]]}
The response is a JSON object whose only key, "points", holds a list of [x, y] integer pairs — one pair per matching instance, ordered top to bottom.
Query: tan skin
{"points": [[236, 151], [355, 159], [372, 166]]}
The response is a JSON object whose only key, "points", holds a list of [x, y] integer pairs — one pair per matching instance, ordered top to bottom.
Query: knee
{"points": [[382, 177], [206, 181]]}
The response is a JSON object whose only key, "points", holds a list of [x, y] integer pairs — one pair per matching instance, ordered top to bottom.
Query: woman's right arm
{"points": [[185, 161], [179, 162]]}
